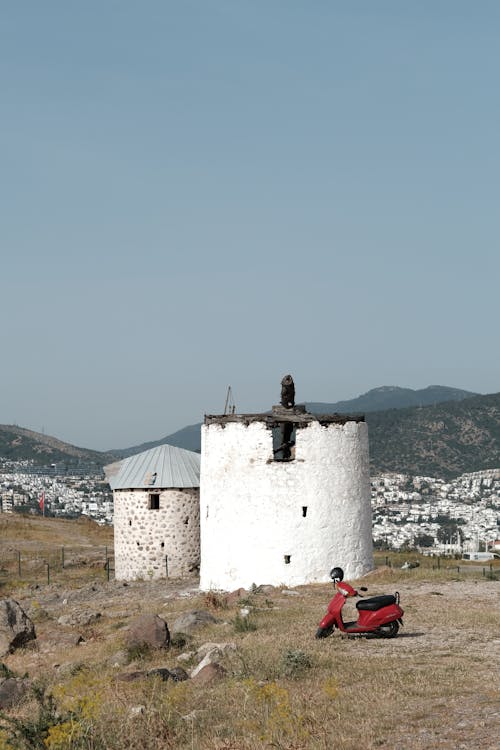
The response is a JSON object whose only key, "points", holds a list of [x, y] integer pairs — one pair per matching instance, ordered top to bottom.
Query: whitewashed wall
{"points": [[251, 512], [143, 537]]}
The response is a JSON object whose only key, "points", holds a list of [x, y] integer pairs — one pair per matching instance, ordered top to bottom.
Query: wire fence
{"points": [[434, 563], [55, 565]]}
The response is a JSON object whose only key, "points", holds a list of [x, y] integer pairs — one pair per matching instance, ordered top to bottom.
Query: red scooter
{"points": [[380, 615]]}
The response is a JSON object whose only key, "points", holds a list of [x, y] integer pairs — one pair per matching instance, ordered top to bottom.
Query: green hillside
{"points": [[443, 440], [18, 444]]}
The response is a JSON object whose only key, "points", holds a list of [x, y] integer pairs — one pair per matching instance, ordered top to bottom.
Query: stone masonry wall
{"points": [[264, 521], [144, 537]]}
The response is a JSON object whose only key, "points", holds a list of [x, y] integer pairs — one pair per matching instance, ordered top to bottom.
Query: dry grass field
{"points": [[434, 686]]}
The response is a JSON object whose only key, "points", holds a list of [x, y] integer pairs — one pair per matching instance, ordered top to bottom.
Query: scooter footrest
{"points": [[376, 602]]}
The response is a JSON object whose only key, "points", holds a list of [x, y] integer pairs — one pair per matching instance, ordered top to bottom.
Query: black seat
{"points": [[376, 602]]}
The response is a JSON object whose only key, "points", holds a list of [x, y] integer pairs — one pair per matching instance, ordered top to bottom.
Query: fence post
{"points": [[62, 558], [439, 563], [19, 564], [166, 565], [107, 567], [484, 572], [48, 573]]}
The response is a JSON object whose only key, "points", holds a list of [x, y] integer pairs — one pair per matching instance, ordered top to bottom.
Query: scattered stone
{"points": [[266, 588], [290, 592], [244, 612], [189, 621], [16, 628], [148, 630], [222, 648], [213, 654], [186, 656], [119, 659], [210, 673], [179, 674], [12, 690], [136, 711]]}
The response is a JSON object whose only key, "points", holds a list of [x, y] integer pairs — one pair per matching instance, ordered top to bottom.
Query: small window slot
{"points": [[154, 501], [304, 511], [288, 559]]}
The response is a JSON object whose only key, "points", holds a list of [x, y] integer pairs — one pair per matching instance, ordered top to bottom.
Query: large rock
{"points": [[190, 621], [16, 628], [148, 630], [212, 653], [210, 673], [12, 690]]}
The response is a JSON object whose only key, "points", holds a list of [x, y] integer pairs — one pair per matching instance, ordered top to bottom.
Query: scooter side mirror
{"points": [[363, 588]]}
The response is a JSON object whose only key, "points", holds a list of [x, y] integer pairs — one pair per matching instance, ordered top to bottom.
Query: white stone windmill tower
{"points": [[284, 497]]}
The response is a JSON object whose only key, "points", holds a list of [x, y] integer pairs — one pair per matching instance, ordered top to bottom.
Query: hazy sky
{"points": [[205, 193]]}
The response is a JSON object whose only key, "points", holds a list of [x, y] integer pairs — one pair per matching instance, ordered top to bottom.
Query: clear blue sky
{"points": [[202, 193]]}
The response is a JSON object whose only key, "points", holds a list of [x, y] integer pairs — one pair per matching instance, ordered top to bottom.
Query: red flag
{"points": [[41, 502]]}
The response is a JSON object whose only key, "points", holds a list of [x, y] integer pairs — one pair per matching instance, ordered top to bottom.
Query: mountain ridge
{"points": [[446, 439]]}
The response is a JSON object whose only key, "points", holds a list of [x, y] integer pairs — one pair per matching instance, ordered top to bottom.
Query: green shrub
{"points": [[243, 624], [294, 663]]}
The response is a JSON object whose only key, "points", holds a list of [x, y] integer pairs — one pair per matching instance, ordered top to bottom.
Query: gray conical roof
{"points": [[161, 467]]}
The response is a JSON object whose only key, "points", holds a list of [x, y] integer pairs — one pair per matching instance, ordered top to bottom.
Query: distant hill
{"points": [[385, 397], [391, 397], [188, 438], [445, 439], [18, 444]]}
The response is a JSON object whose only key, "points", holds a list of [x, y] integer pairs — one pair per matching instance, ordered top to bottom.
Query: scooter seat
{"points": [[376, 602]]}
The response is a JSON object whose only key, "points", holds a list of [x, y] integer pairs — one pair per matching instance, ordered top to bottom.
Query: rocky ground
{"points": [[448, 653]]}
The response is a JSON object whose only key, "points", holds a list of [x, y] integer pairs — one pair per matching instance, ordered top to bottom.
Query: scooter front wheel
{"points": [[390, 630], [324, 632]]}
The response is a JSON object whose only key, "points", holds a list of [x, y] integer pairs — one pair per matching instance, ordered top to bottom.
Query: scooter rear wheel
{"points": [[390, 630], [324, 632]]}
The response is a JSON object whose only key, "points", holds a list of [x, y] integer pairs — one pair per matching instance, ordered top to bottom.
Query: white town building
{"points": [[284, 497], [156, 513]]}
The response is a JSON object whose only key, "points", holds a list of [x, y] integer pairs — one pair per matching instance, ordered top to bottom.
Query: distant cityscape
{"points": [[68, 491], [436, 516]]}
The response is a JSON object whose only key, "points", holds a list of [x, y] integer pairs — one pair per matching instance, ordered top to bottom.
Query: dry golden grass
{"points": [[23, 529], [38, 547], [435, 685]]}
